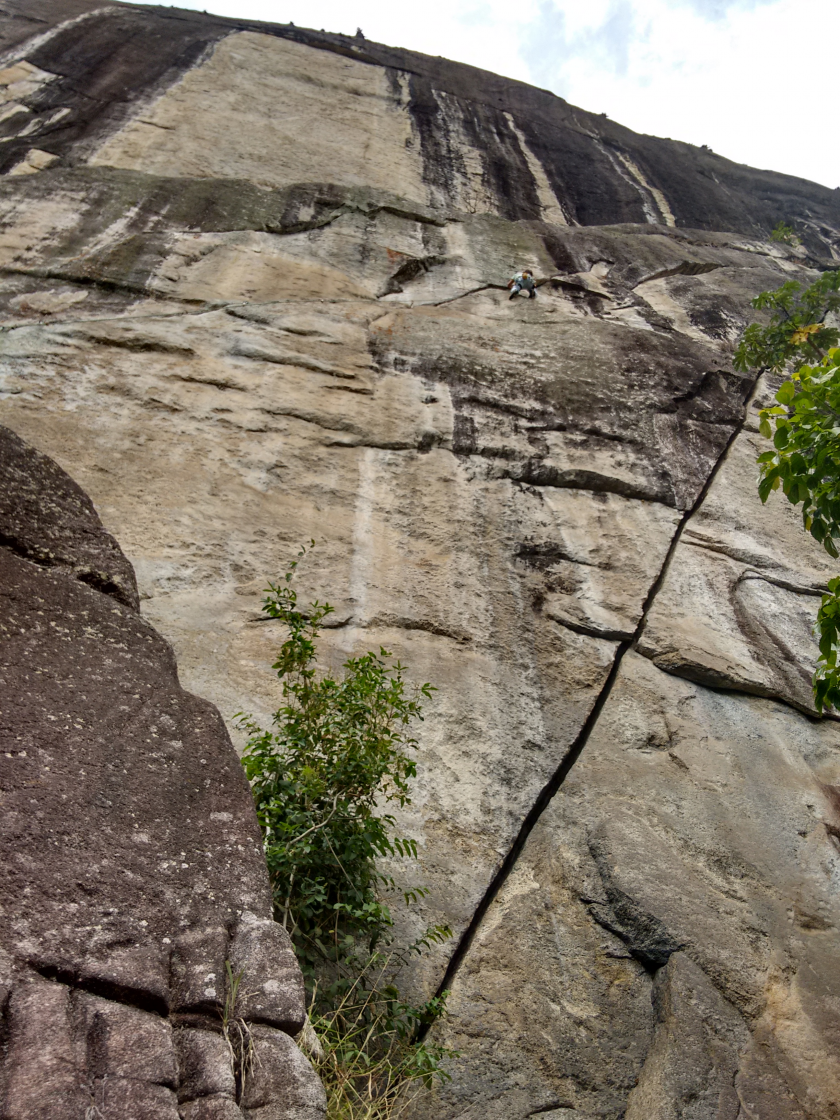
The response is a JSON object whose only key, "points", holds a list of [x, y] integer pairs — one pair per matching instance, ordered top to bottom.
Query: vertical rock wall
{"points": [[253, 292]]}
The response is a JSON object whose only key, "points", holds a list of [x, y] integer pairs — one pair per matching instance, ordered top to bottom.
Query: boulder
{"points": [[133, 877]]}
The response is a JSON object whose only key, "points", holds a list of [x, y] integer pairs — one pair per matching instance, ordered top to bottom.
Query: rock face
{"points": [[252, 287], [132, 867]]}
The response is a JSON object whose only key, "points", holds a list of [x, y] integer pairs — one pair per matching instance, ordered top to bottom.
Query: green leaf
{"points": [[786, 393]]}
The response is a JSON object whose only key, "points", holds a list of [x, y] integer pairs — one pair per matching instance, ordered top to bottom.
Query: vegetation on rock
{"points": [[785, 234], [804, 426], [340, 749]]}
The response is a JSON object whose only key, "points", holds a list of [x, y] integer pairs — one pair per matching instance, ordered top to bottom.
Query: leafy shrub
{"points": [[785, 234], [797, 331], [804, 426], [805, 461], [339, 751]]}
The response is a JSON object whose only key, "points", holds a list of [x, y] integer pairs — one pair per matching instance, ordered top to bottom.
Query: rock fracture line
{"points": [[574, 752]]}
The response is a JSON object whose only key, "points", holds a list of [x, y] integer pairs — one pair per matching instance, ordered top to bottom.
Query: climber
{"points": [[523, 279]]}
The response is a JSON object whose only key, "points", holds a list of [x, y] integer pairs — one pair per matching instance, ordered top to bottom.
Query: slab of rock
{"points": [[238, 335], [739, 603], [133, 873], [663, 946]]}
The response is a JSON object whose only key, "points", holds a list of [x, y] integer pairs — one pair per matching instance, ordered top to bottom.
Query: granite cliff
{"points": [[252, 291]]}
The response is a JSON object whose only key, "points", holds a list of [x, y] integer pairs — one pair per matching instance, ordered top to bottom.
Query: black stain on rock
{"points": [[103, 65], [647, 938]]}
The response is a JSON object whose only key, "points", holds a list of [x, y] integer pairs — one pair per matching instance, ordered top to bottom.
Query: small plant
{"points": [[784, 234], [339, 751], [237, 1033], [370, 1063]]}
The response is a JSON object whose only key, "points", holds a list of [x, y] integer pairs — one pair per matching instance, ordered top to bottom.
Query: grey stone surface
{"points": [[240, 329], [669, 924], [273, 990], [691, 1067], [204, 1068], [281, 1083], [211, 1108]]}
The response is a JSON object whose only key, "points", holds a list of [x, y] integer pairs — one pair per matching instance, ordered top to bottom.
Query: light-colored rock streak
{"points": [[16, 53], [20, 80], [276, 112], [34, 161], [661, 200], [552, 211], [656, 293], [363, 543]]}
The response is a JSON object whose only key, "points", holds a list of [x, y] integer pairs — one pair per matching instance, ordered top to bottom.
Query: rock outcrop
{"points": [[252, 289], [132, 876]]}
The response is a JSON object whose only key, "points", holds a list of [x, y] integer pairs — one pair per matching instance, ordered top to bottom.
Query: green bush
{"points": [[785, 234], [797, 331], [804, 426], [340, 751]]}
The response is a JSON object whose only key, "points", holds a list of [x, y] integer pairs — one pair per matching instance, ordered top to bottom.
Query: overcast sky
{"points": [[753, 79]]}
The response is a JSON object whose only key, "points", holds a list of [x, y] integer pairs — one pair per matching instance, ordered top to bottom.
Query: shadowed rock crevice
{"points": [[646, 937], [139, 998]]}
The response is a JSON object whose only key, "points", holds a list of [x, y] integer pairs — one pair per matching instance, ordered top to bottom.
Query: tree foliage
{"points": [[785, 234], [797, 331], [804, 426], [805, 461], [339, 752]]}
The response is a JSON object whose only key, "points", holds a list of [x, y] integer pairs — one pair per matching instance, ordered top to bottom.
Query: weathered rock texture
{"points": [[252, 288], [132, 866]]}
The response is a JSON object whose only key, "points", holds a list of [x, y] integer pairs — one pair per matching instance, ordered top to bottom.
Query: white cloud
{"points": [[697, 72], [742, 76]]}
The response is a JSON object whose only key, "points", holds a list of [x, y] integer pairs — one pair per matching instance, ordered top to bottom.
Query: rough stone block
{"points": [[130, 833], [197, 970], [271, 989], [121, 1041], [204, 1065], [42, 1080], [282, 1085], [133, 1100], [211, 1108]]}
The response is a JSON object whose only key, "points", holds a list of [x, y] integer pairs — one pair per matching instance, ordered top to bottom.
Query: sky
{"points": [[752, 79]]}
